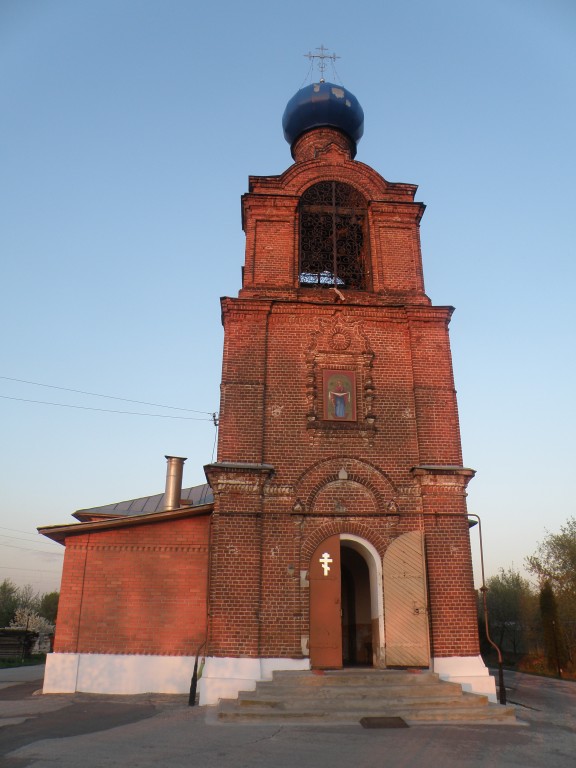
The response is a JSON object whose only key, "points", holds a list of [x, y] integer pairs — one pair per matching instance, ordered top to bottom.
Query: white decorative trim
{"points": [[469, 671], [117, 673], [224, 678]]}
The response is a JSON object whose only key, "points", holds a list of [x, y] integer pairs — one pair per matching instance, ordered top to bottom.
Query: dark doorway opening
{"points": [[356, 613]]}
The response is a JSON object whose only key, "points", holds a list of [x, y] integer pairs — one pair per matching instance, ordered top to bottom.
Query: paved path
{"points": [[12, 675], [150, 730]]}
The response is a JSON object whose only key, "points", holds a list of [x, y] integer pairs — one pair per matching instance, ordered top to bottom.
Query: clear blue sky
{"points": [[129, 129]]}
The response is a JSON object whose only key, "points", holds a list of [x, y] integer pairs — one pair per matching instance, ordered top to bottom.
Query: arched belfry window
{"points": [[333, 236]]}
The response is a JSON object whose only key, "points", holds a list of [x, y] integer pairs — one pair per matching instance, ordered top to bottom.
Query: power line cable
{"points": [[96, 394], [109, 410], [214, 444], [204, 493], [18, 530], [16, 538], [30, 549], [31, 570]]}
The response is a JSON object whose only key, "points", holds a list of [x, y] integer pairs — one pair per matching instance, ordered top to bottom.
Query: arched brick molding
{"points": [[345, 470], [343, 497], [342, 528]]}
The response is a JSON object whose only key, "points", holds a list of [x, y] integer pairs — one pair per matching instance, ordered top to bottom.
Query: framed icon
{"points": [[339, 395]]}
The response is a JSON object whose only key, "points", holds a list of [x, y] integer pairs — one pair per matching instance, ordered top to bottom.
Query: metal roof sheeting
{"points": [[195, 496]]}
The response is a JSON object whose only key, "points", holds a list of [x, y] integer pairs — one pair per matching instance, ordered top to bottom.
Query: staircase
{"points": [[351, 695]]}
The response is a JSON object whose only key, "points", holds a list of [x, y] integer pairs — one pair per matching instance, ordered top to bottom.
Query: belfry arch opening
{"points": [[333, 237]]}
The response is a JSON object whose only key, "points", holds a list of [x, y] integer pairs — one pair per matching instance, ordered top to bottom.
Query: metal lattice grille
{"points": [[333, 238]]}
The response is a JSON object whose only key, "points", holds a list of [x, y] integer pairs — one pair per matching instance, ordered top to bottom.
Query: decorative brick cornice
{"points": [[333, 164], [429, 314], [228, 476], [447, 477], [272, 489], [60, 533], [171, 548]]}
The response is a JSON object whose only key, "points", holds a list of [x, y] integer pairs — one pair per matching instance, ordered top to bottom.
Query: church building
{"points": [[333, 528]]}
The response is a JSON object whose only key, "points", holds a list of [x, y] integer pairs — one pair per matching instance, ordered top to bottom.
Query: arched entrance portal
{"points": [[346, 603], [346, 616]]}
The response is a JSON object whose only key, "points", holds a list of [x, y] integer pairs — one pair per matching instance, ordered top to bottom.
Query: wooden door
{"points": [[406, 602], [325, 606]]}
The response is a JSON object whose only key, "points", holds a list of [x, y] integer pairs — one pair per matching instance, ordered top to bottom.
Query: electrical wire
{"points": [[308, 73], [335, 74], [96, 394], [109, 410], [204, 493], [17, 530], [18, 538], [31, 549], [31, 570]]}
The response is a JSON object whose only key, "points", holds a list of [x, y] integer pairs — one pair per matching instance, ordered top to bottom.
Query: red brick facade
{"points": [[286, 476], [135, 589]]}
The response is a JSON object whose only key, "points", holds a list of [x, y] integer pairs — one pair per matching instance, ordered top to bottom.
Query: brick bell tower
{"points": [[339, 532]]}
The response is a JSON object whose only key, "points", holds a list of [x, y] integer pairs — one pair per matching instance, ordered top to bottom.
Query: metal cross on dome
{"points": [[322, 57]]}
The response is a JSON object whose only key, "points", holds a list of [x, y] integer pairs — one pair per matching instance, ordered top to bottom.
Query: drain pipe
{"points": [[484, 589], [204, 643], [194, 681]]}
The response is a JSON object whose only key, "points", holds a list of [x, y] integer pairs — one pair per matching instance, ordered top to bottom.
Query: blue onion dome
{"points": [[323, 104]]}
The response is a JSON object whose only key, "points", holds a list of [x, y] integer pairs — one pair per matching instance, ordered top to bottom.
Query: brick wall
{"points": [[327, 477], [139, 589]]}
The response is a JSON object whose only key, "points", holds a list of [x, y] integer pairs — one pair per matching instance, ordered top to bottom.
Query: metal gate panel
{"points": [[406, 602]]}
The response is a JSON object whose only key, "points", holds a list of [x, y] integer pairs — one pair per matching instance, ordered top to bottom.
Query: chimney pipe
{"points": [[173, 482]]}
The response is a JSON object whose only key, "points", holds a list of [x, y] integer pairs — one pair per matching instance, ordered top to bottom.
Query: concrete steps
{"points": [[346, 696]]}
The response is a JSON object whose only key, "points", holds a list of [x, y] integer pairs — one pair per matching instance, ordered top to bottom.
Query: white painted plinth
{"points": [[469, 671], [115, 673], [224, 678]]}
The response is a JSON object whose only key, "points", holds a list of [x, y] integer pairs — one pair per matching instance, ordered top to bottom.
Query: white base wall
{"points": [[469, 671], [115, 673], [221, 678], [224, 678]]}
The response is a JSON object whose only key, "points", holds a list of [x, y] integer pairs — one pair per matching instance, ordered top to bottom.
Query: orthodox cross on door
{"points": [[325, 561]]}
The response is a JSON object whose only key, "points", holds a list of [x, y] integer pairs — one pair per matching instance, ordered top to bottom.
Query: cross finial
{"points": [[322, 57]]}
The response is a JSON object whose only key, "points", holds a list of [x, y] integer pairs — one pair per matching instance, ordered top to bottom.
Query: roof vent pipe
{"points": [[173, 482]]}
